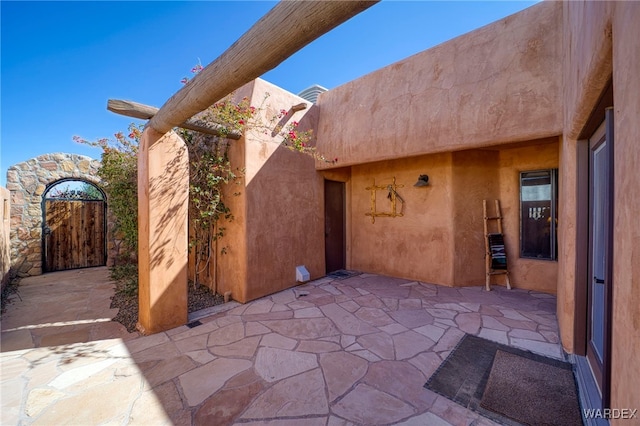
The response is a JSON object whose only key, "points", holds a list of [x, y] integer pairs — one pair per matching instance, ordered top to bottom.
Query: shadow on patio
{"points": [[331, 352]]}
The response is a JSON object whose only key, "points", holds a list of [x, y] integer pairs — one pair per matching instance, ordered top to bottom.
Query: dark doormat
{"points": [[343, 274], [508, 385]]}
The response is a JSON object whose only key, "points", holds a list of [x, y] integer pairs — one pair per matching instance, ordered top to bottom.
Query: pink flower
{"points": [[184, 80]]}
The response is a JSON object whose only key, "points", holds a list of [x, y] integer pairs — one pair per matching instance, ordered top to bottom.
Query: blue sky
{"points": [[62, 61]]}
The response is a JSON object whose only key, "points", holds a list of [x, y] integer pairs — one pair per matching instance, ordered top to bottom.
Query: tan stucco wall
{"points": [[600, 41], [587, 60], [586, 68], [469, 92], [475, 177], [163, 182], [278, 216], [285, 223], [567, 235], [440, 237], [5, 243], [417, 245], [231, 267], [532, 274], [625, 391]]}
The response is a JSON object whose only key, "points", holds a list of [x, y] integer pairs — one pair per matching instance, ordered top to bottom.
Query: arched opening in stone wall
{"points": [[28, 182], [73, 225]]}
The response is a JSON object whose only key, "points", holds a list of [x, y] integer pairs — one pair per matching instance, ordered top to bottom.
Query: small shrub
{"points": [[126, 278], [10, 289]]}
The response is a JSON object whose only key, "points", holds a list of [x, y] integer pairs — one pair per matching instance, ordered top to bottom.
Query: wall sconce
{"points": [[423, 180]]}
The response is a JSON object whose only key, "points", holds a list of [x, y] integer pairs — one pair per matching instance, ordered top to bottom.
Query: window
{"points": [[538, 214]]}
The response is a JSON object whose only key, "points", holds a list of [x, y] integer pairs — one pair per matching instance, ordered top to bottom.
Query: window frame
{"points": [[553, 231]]}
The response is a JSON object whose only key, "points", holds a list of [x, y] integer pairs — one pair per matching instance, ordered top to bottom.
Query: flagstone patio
{"points": [[330, 352]]}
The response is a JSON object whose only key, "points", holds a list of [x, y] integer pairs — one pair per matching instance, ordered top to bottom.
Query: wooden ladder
{"points": [[495, 254]]}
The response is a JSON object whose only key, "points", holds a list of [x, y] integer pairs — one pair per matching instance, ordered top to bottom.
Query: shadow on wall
{"points": [[163, 182], [278, 221]]}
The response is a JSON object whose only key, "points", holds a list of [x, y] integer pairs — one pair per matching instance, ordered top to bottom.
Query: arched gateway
{"points": [[54, 227]]}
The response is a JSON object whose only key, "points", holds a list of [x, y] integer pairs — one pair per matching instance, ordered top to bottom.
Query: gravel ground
{"points": [[198, 298]]}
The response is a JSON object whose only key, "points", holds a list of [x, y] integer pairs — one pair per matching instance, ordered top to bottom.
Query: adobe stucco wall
{"points": [[600, 41], [586, 69], [469, 92], [489, 174], [475, 177], [163, 182], [278, 222], [440, 237], [417, 245], [626, 251], [5, 260], [531, 274]]}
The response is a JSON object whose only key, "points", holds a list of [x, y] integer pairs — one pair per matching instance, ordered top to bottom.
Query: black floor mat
{"points": [[463, 377]]}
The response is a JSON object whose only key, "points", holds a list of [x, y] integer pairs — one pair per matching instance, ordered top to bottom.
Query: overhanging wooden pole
{"points": [[284, 30], [145, 112]]}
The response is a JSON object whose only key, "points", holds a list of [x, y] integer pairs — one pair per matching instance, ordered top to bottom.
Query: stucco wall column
{"points": [[163, 189], [568, 211], [625, 362]]}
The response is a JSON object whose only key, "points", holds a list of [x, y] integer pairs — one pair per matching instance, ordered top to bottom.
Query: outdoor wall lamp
{"points": [[423, 180]]}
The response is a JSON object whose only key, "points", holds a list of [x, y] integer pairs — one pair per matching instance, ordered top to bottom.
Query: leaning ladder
{"points": [[495, 254]]}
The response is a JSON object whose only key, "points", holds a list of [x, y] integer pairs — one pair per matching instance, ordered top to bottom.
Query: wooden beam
{"points": [[284, 30], [299, 107], [146, 112]]}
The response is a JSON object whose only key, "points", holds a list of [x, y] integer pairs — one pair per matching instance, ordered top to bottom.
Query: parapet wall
{"points": [[470, 92]]}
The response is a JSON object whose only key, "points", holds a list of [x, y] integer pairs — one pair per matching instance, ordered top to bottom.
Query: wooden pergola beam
{"points": [[284, 30], [146, 112]]}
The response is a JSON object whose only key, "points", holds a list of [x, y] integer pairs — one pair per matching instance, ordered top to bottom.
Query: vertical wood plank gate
{"points": [[74, 234]]}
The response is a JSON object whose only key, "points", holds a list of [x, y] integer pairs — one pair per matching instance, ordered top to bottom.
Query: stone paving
{"points": [[331, 352]]}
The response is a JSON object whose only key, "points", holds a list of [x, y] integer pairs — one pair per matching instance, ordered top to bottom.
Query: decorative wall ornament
{"points": [[392, 196]]}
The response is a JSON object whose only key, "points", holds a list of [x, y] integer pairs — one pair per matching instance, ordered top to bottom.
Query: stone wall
{"points": [[27, 182], [5, 260]]}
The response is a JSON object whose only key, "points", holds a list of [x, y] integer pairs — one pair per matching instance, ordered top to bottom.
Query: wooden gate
{"points": [[74, 234]]}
